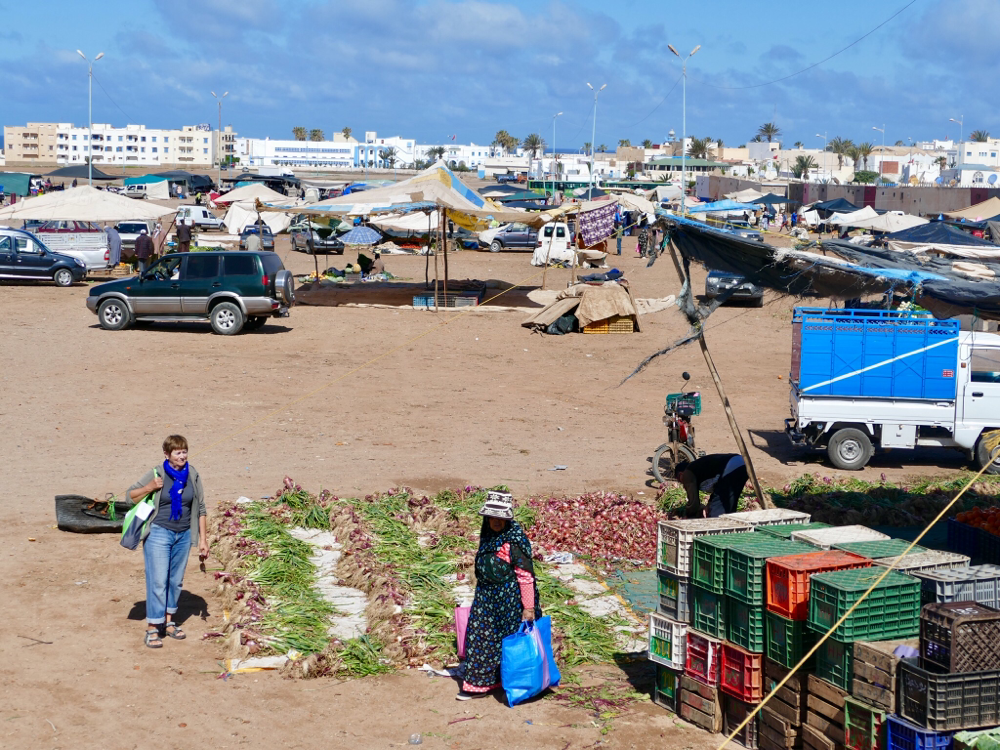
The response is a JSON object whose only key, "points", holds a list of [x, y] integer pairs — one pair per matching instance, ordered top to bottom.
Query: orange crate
{"points": [[614, 324], [788, 579], [742, 674]]}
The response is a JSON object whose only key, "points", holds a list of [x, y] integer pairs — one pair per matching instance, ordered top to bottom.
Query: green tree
{"points": [[769, 130], [299, 133], [347, 133], [317, 135], [979, 136], [757, 139], [502, 140], [533, 143], [624, 143], [647, 143], [899, 143], [799, 144], [586, 147], [840, 147], [602, 148], [699, 148], [864, 151], [436, 153], [388, 156], [802, 165], [865, 177]]}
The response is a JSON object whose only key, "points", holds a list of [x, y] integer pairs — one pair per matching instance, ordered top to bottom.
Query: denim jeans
{"points": [[619, 245], [166, 554]]}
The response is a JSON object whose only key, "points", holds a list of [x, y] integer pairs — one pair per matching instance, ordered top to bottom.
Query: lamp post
{"points": [[684, 75], [219, 100], [90, 114], [557, 114], [961, 127], [593, 139], [824, 149], [881, 161]]}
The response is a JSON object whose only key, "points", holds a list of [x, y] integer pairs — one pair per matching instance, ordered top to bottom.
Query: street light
{"points": [[684, 74], [219, 100], [557, 114], [90, 115], [961, 126], [593, 139], [824, 149], [881, 161]]}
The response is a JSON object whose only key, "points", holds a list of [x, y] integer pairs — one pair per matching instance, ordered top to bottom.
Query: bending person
{"points": [[722, 474]]}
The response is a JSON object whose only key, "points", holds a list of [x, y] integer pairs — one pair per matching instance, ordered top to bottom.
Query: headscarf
{"points": [[176, 489], [492, 569]]}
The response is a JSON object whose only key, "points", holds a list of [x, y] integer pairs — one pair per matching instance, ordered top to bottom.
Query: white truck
{"points": [[866, 379]]}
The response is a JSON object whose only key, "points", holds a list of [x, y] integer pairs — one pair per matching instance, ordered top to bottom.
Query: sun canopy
{"points": [[79, 171], [16, 183], [251, 192], [667, 192], [748, 195], [771, 199], [85, 203], [836, 205], [979, 212], [244, 213], [854, 218], [894, 222], [936, 232]]}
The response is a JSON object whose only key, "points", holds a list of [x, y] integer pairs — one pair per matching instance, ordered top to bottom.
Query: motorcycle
{"points": [[677, 413]]}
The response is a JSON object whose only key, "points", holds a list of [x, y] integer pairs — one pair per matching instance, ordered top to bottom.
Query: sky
{"points": [[434, 69]]}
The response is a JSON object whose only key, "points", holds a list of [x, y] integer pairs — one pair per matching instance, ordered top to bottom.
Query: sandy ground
{"points": [[355, 400]]}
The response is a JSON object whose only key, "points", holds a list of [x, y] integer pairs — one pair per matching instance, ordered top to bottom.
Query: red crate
{"points": [[788, 579], [702, 658], [742, 674]]}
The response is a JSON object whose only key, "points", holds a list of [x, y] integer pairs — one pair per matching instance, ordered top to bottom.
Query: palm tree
{"points": [[769, 130], [299, 133], [347, 133], [317, 135], [979, 136], [756, 139], [500, 140], [511, 143], [533, 143], [624, 143], [647, 143], [718, 143], [899, 143], [798, 144], [840, 146], [586, 147], [602, 148], [699, 148], [864, 151], [436, 153], [854, 154], [388, 156], [942, 162], [802, 166]]}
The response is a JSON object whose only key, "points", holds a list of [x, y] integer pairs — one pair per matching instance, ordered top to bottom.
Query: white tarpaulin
{"points": [[159, 190], [255, 191], [667, 192], [748, 195], [85, 203], [244, 214], [854, 218], [415, 222], [893, 222], [982, 252]]}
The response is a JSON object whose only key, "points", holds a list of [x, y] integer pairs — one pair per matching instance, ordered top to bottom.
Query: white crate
{"points": [[770, 517], [825, 538], [675, 540], [926, 561], [667, 641]]}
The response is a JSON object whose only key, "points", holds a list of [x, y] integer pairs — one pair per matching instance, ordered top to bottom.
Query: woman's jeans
{"points": [[166, 554]]}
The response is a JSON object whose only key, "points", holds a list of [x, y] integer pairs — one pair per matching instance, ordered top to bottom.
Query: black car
{"points": [[514, 235], [266, 238], [324, 239], [23, 256], [718, 282], [231, 290]]}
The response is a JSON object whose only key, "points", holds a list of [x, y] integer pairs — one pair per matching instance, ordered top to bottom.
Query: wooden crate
{"points": [[614, 324], [875, 669], [789, 702], [700, 704], [824, 725], [777, 732]]}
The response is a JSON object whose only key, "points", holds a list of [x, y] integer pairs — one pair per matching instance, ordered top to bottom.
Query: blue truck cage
{"points": [[873, 354]]}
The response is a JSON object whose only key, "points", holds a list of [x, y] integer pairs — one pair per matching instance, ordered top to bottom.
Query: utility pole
{"points": [[684, 75], [219, 100], [557, 114], [90, 115], [593, 139]]}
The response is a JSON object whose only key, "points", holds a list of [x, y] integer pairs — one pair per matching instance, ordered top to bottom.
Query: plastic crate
{"points": [[451, 299], [614, 324], [690, 400], [770, 517], [786, 531], [826, 538], [963, 538], [675, 540], [988, 547], [880, 549], [929, 560], [708, 563], [745, 567], [788, 579], [978, 583], [675, 596], [892, 610], [708, 612], [745, 625], [959, 637], [788, 640], [667, 641], [702, 658], [835, 663], [742, 674], [667, 687], [948, 702], [734, 712], [864, 725], [902, 735]]}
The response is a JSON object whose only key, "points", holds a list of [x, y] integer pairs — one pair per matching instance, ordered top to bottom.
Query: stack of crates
{"points": [[977, 583], [825, 716], [782, 717]]}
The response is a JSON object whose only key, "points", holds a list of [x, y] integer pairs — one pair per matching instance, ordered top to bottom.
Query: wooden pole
{"points": [[444, 225], [436, 251], [548, 254], [427, 258]]}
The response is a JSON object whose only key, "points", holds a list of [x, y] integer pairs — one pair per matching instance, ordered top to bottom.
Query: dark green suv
{"points": [[230, 290]]}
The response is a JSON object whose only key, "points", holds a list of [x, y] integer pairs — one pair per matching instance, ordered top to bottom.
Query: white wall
{"points": [[135, 144]]}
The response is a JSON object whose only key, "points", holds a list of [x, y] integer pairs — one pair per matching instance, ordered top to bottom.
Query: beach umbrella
{"points": [[361, 236]]}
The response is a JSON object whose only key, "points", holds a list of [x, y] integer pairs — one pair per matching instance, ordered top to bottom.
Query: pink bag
{"points": [[461, 623]]}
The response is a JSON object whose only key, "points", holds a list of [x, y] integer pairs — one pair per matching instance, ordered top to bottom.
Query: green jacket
{"points": [[198, 509]]}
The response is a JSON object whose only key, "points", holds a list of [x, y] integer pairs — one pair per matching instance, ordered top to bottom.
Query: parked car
{"points": [[135, 191], [200, 217], [744, 230], [129, 231], [515, 235], [266, 238], [78, 239], [324, 239], [24, 256], [718, 282], [230, 290]]}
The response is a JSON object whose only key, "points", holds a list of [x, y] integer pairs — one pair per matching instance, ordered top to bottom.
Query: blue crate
{"points": [[874, 353], [963, 538], [902, 735]]}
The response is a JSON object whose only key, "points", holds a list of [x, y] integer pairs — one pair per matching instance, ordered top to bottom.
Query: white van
{"points": [[135, 191], [200, 217], [554, 245]]}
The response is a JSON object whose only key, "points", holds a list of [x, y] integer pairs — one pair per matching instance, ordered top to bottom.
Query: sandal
{"points": [[174, 631], [153, 639]]}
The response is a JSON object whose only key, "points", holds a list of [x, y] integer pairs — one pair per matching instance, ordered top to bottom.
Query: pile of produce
{"points": [[987, 519]]}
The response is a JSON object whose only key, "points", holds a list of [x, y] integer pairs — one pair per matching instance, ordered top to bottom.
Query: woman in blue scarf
{"points": [[178, 524], [506, 595]]}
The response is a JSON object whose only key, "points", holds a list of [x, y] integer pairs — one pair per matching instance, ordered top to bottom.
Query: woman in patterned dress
{"points": [[506, 595]]}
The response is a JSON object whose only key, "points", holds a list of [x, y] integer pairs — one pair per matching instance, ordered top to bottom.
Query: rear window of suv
{"points": [[272, 263], [240, 265]]}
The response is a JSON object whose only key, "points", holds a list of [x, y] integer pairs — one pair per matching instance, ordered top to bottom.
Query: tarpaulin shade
{"points": [[79, 171], [771, 199], [85, 203], [723, 205], [979, 212], [936, 233]]}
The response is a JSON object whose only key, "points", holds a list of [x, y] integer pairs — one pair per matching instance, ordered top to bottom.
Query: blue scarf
{"points": [[176, 489]]}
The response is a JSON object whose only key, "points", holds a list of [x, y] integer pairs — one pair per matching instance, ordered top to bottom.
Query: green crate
{"points": [[785, 531], [879, 549], [708, 563], [745, 567], [891, 611], [708, 612], [745, 625], [788, 641], [835, 663], [667, 688], [864, 725]]}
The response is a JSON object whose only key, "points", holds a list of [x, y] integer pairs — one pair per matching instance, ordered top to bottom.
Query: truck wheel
{"points": [[496, 246], [63, 277], [113, 315], [226, 319], [849, 449], [983, 452], [664, 461]]}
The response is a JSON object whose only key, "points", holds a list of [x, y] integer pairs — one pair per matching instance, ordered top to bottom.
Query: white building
{"points": [[193, 145], [267, 152], [385, 153], [978, 153], [460, 154]]}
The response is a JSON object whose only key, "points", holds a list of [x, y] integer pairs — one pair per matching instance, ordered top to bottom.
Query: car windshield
{"points": [[131, 228]]}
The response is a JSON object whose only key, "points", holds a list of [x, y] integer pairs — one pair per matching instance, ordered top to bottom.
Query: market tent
{"points": [[80, 172], [196, 182], [16, 183], [156, 187], [252, 192], [667, 192], [520, 195], [747, 195], [771, 199], [85, 203], [836, 205], [979, 212], [242, 214], [854, 218], [413, 222], [894, 222], [936, 232]]}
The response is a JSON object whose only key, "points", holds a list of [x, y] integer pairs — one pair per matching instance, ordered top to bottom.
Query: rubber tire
{"points": [[496, 246], [63, 277], [284, 286], [118, 313], [227, 319], [255, 322], [858, 449], [983, 456], [663, 461]]}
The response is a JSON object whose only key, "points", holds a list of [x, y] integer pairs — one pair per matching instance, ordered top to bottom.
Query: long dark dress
{"points": [[496, 608]]}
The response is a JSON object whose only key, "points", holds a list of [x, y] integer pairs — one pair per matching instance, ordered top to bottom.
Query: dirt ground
{"points": [[355, 400]]}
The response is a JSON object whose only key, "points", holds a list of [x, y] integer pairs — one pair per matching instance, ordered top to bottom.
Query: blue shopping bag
{"points": [[527, 666]]}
